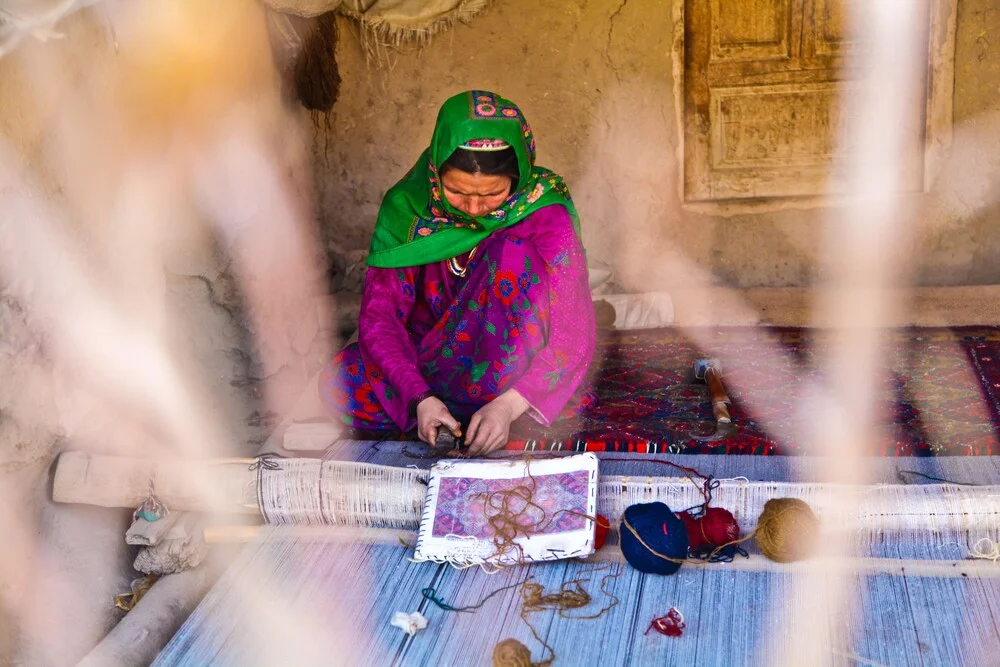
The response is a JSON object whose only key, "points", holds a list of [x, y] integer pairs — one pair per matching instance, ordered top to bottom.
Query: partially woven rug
{"points": [[940, 393]]}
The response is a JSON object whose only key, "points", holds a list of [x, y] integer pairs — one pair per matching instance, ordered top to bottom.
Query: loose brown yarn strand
{"points": [[705, 487], [502, 510], [590, 517], [504, 522], [773, 546], [604, 581], [571, 595], [533, 598], [552, 652]]}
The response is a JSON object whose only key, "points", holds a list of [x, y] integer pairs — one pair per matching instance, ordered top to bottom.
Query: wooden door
{"points": [[764, 86]]}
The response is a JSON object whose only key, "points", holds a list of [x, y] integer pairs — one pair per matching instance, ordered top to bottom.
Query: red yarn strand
{"points": [[670, 624]]}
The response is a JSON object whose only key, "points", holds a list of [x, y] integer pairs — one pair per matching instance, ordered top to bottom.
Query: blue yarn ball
{"points": [[661, 530]]}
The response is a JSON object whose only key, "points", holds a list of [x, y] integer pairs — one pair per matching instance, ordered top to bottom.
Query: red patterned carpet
{"points": [[939, 396]]}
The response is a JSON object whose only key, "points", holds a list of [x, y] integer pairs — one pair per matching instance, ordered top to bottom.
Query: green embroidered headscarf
{"points": [[416, 225]]}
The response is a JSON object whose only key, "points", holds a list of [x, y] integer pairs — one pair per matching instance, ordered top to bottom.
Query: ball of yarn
{"points": [[605, 314], [717, 526], [601, 529], [787, 530], [659, 542], [511, 653]]}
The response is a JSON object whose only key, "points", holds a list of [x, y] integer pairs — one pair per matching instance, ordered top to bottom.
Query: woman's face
{"points": [[474, 194]]}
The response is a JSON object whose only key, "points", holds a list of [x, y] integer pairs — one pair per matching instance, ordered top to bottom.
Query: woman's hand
{"points": [[431, 415], [490, 426]]}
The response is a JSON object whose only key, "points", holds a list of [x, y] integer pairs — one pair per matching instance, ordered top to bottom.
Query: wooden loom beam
{"points": [[213, 485]]}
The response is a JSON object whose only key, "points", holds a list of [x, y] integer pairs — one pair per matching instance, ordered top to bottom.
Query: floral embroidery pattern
{"points": [[536, 193], [504, 286], [507, 308], [474, 337], [352, 389]]}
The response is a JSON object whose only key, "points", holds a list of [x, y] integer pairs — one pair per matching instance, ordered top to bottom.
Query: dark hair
{"points": [[491, 163]]}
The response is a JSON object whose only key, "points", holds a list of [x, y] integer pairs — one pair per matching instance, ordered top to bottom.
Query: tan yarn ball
{"points": [[604, 314], [787, 530], [511, 653]]}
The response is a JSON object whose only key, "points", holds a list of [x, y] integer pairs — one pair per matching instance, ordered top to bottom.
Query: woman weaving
{"points": [[476, 304]]}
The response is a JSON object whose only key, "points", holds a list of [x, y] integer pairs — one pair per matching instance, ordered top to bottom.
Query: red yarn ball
{"points": [[693, 528], [601, 529], [713, 529]]}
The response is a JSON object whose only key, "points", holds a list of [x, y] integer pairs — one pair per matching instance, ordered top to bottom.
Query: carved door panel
{"points": [[764, 82]]}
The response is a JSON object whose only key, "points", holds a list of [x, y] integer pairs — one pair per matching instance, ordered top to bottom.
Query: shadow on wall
{"points": [[957, 235]]}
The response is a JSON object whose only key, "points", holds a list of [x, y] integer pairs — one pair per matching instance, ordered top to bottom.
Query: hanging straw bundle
{"points": [[317, 78]]}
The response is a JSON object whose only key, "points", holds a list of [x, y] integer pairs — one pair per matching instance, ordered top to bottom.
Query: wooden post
{"points": [[145, 630]]}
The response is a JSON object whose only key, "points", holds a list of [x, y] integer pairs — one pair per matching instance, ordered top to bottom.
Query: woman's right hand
{"points": [[432, 414]]}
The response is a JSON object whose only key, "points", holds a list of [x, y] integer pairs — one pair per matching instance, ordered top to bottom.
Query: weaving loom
{"points": [[919, 600]]}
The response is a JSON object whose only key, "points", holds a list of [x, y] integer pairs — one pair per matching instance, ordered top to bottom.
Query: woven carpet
{"points": [[940, 393]]}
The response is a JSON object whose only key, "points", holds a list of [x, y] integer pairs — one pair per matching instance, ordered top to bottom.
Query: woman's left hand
{"points": [[490, 426]]}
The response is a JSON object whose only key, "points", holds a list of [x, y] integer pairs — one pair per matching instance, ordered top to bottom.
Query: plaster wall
{"points": [[595, 80], [124, 325]]}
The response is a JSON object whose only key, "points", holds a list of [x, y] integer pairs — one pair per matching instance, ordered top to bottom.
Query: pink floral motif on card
{"points": [[462, 510]]}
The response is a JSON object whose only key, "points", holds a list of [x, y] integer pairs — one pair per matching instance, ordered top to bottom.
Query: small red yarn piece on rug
{"points": [[717, 526], [601, 529], [671, 624]]}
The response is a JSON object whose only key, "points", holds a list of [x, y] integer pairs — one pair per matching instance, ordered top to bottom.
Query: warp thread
{"points": [[670, 624]]}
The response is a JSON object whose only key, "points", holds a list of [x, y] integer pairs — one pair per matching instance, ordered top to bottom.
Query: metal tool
{"points": [[448, 444]]}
